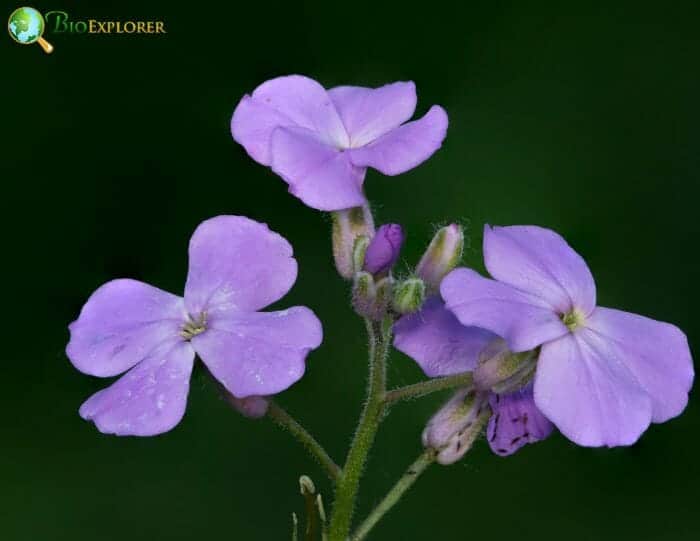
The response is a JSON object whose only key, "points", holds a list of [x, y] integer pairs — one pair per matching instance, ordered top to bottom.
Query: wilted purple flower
{"points": [[321, 142], [384, 249], [237, 267], [442, 346], [602, 375], [515, 421]]}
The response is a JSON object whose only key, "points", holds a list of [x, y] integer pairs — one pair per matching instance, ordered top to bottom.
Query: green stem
{"points": [[426, 387], [286, 421], [349, 482], [394, 495]]}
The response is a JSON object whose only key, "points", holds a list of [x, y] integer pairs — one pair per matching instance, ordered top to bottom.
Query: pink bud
{"points": [[348, 226], [443, 255], [253, 407], [457, 424]]}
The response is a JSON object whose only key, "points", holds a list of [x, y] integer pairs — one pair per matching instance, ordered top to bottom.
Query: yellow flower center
{"points": [[573, 319], [194, 326]]}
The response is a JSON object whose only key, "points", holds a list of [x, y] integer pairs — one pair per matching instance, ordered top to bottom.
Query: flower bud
{"points": [[349, 224], [384, 249], [358, 253], [443, 255], [364, 293], [409, 296], [371, 298], [503, 371], [253, 407], [457, 424], [306, 486]]}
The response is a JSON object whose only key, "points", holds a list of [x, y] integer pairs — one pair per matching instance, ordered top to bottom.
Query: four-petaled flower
{"points": [[322, 141], [237, 267], [602, 375]]}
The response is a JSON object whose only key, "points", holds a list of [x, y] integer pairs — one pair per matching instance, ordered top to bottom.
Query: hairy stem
{"points": [[423, 388], [286, 421], [349, 482], [394, 495]]}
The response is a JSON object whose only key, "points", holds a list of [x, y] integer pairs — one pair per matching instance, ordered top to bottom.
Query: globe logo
{"points": [[26, 26]]}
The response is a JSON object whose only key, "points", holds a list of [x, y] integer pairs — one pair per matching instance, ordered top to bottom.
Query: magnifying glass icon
{"points": [[26, 26]]}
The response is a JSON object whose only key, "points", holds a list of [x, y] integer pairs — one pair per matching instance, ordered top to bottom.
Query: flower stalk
{"points": [[411, 392], [286, 421], [348, 485], [394, 495]]}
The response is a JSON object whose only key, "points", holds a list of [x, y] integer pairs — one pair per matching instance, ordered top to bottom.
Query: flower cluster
{"points": [[529, 348], [601, 376]]}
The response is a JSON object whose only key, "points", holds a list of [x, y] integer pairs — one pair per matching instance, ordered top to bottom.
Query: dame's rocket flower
{"points": [[322, 141], [237, 267], [442, 346], [602, 375]]}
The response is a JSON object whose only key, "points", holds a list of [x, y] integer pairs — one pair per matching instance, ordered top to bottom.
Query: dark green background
{"points": [[581, 118]]}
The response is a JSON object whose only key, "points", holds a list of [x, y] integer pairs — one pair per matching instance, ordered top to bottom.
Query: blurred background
{"points": [[582, 118]]}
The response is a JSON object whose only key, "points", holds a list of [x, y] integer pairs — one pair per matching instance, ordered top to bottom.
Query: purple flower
{"points": [[321, 142], [384, 249], [237, 267], [442, 346], [602, 375]]}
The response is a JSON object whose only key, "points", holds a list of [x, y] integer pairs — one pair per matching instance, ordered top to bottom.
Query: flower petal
{"points": [[293, 100], [369, 113], [405, 147], [319, 175], [539, 261], [237, 264], [523, 320], [120, 324], [440, 344], [259, 353], [656, 353], [584, 387], [150, 399], [515, 422]]}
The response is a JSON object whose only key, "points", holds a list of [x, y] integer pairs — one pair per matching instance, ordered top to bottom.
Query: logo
{"points": [[26, 26]]}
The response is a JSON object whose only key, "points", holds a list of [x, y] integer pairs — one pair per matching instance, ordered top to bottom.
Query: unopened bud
{"points": [[348, 225], [384, 249], [358, 252], [443, 255], [409, 296], [371, 299], [503, 371], [253, 407], [454, 428], [306, 486]]}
